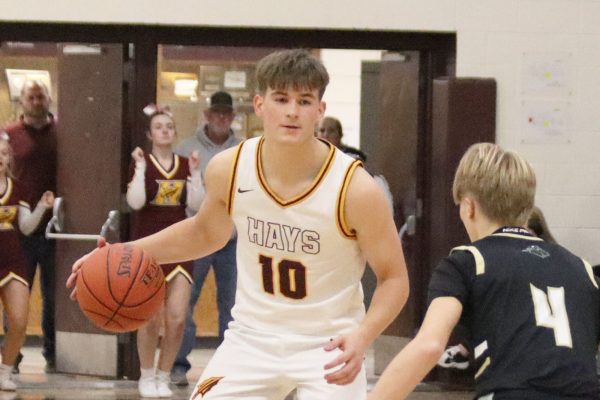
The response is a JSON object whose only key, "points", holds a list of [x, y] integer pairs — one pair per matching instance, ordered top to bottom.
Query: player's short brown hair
{"points": [[291, 68], [501, 181]]}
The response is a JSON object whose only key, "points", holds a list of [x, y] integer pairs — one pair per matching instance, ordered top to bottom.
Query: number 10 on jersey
{"points": [[287, 277]]}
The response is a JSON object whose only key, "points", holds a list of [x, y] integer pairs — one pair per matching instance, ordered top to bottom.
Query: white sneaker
{"points": [[453, 358], [7, 383], [162, 386], [147, 387]]}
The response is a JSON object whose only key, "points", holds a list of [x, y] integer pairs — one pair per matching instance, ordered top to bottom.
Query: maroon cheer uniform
{"points": [[165, 204], [12, 259]]}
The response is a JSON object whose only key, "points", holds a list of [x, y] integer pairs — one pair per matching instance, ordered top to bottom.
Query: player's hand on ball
{"points": [[77, 265], [351, 359]]}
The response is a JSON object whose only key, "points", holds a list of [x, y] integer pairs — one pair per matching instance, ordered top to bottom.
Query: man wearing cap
{"points": [[215, 136]]}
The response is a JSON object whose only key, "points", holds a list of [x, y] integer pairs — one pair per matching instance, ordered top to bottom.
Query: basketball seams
{"points": [[120, 271], [131, 283], [90, 292], [150, 297]]}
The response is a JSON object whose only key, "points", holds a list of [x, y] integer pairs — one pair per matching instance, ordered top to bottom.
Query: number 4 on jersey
{"points": [[551, 312]]}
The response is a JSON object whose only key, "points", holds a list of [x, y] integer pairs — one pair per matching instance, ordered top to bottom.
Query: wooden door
{"points": [[90, 104], [389, 135]]}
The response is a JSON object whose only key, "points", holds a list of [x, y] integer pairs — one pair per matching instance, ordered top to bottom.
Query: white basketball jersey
{"points": [[299, 265]]}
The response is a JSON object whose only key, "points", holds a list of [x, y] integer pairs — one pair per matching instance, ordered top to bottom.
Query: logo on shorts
{"points": [[204, 386]]}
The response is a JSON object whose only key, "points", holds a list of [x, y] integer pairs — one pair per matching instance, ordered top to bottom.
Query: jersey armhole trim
{"points": [[232, 177], [341, 203], [479, 261], [590, 272]]}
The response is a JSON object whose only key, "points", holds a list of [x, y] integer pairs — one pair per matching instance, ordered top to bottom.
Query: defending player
{"points": [[307, 217], [532, 307]]}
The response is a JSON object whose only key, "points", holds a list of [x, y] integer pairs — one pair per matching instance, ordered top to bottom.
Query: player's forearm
{"points": [[182, 241], [388, 299], [407, 369]]}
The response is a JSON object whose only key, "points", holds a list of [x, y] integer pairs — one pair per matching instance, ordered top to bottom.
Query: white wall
{"points": [[494, 37], [343, 93]]}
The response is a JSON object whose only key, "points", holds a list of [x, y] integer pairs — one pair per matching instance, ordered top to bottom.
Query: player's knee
{"points": [[176, 319], [17, 325], [431, 348]]}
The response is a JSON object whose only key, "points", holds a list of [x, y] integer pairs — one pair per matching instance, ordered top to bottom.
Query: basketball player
{"points": [[162, 185], [15, 216], [308, 217], [531, 306]]}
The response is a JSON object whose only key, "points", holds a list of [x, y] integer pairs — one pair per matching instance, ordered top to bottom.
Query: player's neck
{"points": [[164, 155], [288, 169], [482, 227]]}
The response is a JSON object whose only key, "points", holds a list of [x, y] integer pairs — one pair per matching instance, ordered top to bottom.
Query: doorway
{"points": [[143, 56]]}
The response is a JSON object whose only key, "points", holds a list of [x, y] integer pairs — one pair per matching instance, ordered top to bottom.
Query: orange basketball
{"points": [[119, 287]]}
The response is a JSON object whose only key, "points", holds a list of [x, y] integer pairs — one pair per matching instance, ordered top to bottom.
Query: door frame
{"points": [[437, 52]]}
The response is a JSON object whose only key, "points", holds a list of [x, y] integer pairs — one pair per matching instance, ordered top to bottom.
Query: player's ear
{"points": [[258, 102], [322, 108]]}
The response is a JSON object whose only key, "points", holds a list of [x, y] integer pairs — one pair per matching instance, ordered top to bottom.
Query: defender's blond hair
{"points": [[291, 68], [501, 181]]}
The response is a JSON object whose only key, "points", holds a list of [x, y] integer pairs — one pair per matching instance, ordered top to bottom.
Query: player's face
{"points": [[35, 102], [289, 115], [162, 130], [4, 157]]}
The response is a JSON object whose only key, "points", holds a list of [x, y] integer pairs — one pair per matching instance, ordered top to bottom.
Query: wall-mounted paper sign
{"points": [[547, 74], [17, 77], [235, 80], [546, 122]]}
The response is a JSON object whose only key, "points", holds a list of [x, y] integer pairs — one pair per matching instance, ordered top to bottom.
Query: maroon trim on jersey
{"points": [[232, 177], [294, 200], [341, 203]]}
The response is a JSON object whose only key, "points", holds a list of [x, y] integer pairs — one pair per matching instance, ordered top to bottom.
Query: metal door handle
{"points": [[56, 224], [409, 227]]}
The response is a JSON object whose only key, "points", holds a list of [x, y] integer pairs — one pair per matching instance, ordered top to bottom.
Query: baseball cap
{"points": [[221, 101]]}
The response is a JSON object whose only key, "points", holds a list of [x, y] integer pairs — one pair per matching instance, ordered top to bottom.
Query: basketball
{"points": [[120, 287]]}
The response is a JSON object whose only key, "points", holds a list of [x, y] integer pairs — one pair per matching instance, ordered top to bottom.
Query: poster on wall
{"points": [[547, 74], [17, 77], [545, 122]]}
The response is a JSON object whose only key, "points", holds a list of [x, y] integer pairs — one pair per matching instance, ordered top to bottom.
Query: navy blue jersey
{"points": [[533, 310]]}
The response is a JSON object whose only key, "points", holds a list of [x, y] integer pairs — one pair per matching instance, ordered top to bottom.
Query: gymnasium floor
{"points": [[35, 385]]}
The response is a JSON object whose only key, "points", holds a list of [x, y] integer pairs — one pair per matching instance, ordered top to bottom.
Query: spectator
{"points": [[331, 129], [212, 138], [33, 139], [162, 185], [537, 224]]}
